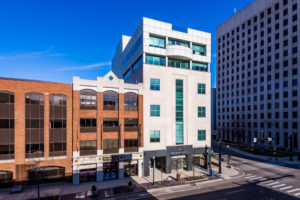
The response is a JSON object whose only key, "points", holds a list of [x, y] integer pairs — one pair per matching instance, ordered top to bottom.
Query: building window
{"points": [[157, 42], [178, 42], [199, 50], [155, 60], [178, 63], [200, 66], [127, 74], [154, 84], [201, 88], [88, 99], [110, 100], [131, 101], [154, 110], [179, 111], [201, 112], [34, 113], [58, 118], [131, 124], [6, 125], [88, 125], [110, 125], [201, 135], [154, 136], [131, 145], [110, 146], [88, 147]]}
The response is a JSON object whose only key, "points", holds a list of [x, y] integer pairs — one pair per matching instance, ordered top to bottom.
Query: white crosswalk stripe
{"points": [[251, 179], [267, 181], [273, 183], [276, 186], [285, 188], [294, 190], [298, 194]]}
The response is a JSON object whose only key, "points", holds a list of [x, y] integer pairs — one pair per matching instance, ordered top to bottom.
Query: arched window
{"points": [[88, 99], [110, 100], [131, 101], [34, 113], [58, 124], [6, 125]]}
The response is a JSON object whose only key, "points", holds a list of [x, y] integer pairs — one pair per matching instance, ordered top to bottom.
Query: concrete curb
{"points": [[179, 186]]}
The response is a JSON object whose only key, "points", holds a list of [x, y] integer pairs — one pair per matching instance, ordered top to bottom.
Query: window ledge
{"points": [[7, 161]]}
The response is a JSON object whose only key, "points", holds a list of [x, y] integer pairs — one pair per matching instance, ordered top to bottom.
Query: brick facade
{"points": [[20, 165]]}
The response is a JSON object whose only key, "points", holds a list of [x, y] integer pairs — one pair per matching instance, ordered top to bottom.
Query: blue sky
{"points": [[55, 40]]}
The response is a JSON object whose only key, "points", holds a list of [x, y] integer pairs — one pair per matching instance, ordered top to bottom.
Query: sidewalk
{"points": [[284, 160], [120, 187]]}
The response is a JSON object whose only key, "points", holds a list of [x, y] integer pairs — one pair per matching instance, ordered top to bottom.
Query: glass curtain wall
{"points": [[179, 111]]}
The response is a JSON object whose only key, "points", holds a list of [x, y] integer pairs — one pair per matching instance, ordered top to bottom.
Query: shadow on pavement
{"points": [[132, 188], [249, 191]]}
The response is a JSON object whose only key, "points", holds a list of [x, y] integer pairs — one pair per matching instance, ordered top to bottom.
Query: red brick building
{"points": [[26, 109], [91, 130]]}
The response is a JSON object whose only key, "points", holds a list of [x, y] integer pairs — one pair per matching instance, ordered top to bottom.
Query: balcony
{"points": [[179, 52]]}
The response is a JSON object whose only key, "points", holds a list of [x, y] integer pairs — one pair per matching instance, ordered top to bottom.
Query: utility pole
{"points": [[291, 147], [220, 157], [228, 157], [153, 168]]}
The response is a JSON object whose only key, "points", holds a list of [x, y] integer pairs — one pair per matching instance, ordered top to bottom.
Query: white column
{"points": [[140, 168]]}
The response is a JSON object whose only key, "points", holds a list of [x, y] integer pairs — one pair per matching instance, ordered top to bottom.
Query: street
{"points": [[258, 180]]}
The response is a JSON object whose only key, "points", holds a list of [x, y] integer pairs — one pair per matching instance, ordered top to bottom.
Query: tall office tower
{"points": [[174, 66], [257, 74]]}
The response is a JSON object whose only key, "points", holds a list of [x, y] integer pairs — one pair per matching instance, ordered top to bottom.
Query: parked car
{"points": [[17, 189]]}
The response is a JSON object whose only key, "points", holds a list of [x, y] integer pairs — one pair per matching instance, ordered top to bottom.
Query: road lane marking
{"points": [[249, 174], [255, 178], [267, 181], [273, 183], [280, 185], [285, 188], [294, 190], [234, 192], [298, 194]]}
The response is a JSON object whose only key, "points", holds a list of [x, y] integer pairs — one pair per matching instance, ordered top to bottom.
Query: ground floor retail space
{"points": [[174, 158], [111, 168]]}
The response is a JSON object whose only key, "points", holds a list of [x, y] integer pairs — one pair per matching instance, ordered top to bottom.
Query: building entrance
{"points": [[130, 168], [110, 170]]}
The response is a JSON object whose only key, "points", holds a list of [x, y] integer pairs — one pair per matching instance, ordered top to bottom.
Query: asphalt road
{"points": [[261, 181]]}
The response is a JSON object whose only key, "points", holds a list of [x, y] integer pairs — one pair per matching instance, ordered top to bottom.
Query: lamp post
{"points": [[291, 147], [220, 157], [228, 159], [153, 169]]}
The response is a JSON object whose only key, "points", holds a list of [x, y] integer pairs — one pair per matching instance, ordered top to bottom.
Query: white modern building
{"points": [[174, 66], [257, 74]]}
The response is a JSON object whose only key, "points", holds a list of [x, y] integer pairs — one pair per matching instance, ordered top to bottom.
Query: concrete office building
{"points": [[174, 66], [257, 74], [213, 114], [108, 129]]}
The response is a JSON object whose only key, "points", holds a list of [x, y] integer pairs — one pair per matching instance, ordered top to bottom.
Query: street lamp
{"points": [[153, 157], [220, 157], [228, 159]]}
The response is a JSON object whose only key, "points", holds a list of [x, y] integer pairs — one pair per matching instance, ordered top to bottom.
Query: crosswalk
{"points": [[275, 185]]}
